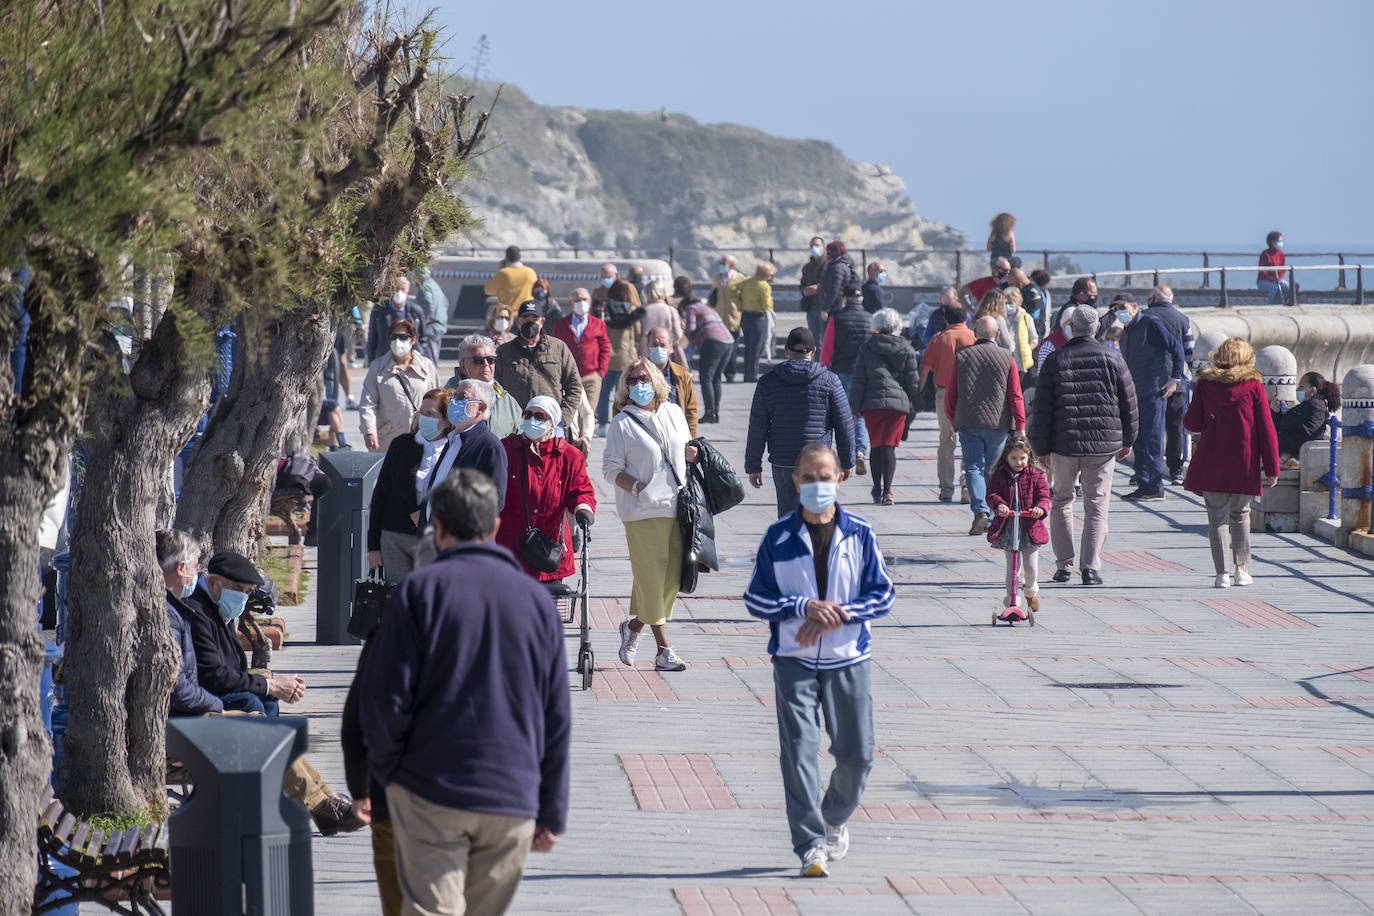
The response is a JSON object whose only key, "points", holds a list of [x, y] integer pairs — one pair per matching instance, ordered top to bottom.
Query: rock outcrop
{"points": [[603, 180]]}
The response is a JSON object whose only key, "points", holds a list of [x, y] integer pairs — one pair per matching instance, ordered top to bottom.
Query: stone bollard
{"points": [[1206, 342], [1357, 459], [1278, 507]]}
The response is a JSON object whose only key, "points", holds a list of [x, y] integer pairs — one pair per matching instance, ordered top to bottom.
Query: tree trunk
{"points": [[233, 469], [120, 658]]}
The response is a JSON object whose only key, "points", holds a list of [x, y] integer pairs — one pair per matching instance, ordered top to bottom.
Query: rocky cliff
{"points": [[601, 180]]}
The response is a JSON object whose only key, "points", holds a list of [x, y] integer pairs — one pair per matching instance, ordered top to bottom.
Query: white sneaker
{"points": [[1243, 577], [1223, 581], [629, 643], [667, 660], [836, 842], [813, 863]]}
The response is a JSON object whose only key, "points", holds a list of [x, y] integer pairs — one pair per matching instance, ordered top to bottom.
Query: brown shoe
{"points": [[963, 495], [980, 523], [335, 815]]}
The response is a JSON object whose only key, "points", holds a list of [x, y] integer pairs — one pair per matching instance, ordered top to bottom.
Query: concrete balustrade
{"points": [[1330, 339], [1206, 342], [1357, 459], [1314, 498], [1277, 507]]}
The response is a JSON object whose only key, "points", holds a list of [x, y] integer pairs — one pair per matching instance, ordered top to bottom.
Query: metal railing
{"points": [[1157, 272], [1332, 478]]}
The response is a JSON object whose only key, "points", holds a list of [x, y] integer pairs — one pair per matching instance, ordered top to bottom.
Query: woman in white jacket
{"points": [[646, 458]]}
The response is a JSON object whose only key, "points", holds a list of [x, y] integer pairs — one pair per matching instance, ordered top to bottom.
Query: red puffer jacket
{"points": [[1230, 409], [556, 484], [1034, 493]]}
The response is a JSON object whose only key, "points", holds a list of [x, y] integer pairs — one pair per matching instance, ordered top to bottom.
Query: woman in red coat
{"points": [[1231, 412], [547, 479]]}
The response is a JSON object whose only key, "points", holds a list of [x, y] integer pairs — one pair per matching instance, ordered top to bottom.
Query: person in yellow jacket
{"points": [[726, 276], [514, 282], [754, 299], [1024, 336]]}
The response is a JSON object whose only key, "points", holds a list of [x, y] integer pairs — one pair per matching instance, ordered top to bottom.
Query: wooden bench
{"points": [[126, 871]]}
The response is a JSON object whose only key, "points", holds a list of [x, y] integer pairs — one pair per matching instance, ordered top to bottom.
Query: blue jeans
{"points": [[1278, 292], [817, 324], [603, 404], [860, 430], [1149, 440], [982, 447], [785, 488], [842, 696], [244, 701]]}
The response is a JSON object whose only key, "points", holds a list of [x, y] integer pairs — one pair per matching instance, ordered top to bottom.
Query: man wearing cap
{"points": [[1156, 360], [536, 363], [797, 402], [216, 603]]}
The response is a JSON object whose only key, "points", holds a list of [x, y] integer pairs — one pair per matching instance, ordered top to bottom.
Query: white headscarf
{"points": [[549, 406]]}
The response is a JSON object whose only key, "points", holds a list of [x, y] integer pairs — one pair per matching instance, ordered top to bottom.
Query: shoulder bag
{"points": [[688, 511], [537, 549]]}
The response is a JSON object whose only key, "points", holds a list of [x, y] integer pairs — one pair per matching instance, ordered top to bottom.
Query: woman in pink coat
{"points": [[1230, 410]]}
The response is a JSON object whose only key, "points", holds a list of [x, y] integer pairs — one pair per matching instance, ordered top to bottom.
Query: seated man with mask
{"points": [[179, 556]]}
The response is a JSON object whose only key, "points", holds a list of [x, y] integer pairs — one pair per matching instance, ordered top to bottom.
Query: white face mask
{"points": [[399, 297], [581, 307], [501, 324], [400, 348]]}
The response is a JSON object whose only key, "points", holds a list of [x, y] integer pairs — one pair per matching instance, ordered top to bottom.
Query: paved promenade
{"points": [[1151, 745]]}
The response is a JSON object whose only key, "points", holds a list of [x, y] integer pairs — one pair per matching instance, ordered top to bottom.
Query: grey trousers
{"points": [[944, 453], [1096, 473], [1228, 510], [398, 554], [842, 696]]}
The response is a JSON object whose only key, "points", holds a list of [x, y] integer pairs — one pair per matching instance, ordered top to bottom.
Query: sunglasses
{"points": [[400, 337], [480, 360], [639, 379], [534, 415]]}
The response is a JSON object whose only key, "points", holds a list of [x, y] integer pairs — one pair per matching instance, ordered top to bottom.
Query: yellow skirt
{"points": [[656, 564]]}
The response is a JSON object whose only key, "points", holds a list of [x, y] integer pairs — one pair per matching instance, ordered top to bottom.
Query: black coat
{"points": [[841, 285], [852, 327], [885, 375], [1084, 402], [1303, 423], [721, 487], [220, 663], [357, 771]]}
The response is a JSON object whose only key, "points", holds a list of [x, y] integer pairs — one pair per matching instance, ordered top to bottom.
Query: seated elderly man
{"points": [[477, 360], [179, 557]]}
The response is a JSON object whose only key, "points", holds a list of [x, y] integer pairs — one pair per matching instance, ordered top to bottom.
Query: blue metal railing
{"points": [[1331, 479]]}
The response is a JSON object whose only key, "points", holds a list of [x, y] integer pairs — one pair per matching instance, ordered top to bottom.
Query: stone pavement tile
{"points": [[1209, 898], [1298, 899]]}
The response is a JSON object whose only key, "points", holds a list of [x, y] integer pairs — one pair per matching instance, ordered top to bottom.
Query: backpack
{"points": [[296, 473]]}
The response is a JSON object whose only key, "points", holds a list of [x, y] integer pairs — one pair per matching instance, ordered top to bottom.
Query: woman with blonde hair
{"points": [[1001, 239], [754, 298], [993, 305], [498, 322], [1022, 327], [1230, 410], [646, 458]]}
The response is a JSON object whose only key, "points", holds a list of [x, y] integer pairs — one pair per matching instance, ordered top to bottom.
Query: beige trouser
{"points": [[583, 424], [944, 455], [1096, 473], [1233, 510], [656, 566], [302, 783], [452, 862], [384, 864]]}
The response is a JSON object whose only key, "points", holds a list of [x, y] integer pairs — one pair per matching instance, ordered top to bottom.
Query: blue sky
{"points": [[1102, 123]]}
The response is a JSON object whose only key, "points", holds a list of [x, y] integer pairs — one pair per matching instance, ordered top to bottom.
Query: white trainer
{"points": [[1243, 577], [1223, 581], [629, 643], [667, 660], [836, 842], [813, 863]]}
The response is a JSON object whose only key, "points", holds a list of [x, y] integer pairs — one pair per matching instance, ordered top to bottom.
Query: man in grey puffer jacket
{"points": [[1083, 420]]}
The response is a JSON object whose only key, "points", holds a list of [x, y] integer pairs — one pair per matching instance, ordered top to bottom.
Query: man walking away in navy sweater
{"points": [[464, 701]]}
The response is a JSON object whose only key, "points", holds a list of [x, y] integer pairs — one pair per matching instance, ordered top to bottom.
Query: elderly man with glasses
{"points": [[477, 360]]}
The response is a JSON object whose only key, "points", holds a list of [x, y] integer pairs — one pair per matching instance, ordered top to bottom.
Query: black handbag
{"points": [[721, 488], [537, 549], [369, 601]]}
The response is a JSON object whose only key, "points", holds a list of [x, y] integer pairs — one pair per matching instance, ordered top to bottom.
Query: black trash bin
{"points": [[342, 553], [238, 845]]}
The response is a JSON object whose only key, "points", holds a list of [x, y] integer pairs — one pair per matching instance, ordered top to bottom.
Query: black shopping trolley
{"points": [[568, 601]]}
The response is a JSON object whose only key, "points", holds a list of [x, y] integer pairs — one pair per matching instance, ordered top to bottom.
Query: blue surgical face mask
{"points": [[1279, 243], [815, 251], [723, 269], [882, 277], [608, 282], [1011, 310], [658, 355], [642, 394], [1302, 396], [458, 411], [429, 427], [533, 429], [818, 495], [188, 589], [231, 604]]}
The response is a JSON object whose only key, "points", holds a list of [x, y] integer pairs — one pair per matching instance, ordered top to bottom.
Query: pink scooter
{"points": [[1012, 614]]}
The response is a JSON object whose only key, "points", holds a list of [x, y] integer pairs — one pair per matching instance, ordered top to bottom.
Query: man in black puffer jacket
{"points": [[849, 328], [796, 403], [1083, 419]]}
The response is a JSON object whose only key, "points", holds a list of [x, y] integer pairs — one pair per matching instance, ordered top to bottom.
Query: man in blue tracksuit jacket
{"points": [[1155, 358], [818, 581]]}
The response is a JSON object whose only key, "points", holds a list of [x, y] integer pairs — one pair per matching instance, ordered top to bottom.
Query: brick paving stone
{"points": [[993, 791]]}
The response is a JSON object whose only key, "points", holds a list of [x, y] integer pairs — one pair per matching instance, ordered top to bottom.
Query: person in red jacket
{"points": [[1271, 281], [586, 337], [1231, 410], [547, 480]]}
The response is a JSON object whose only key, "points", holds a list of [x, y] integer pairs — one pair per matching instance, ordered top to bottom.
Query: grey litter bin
{"points": [[342, 553], [238, 845]]}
